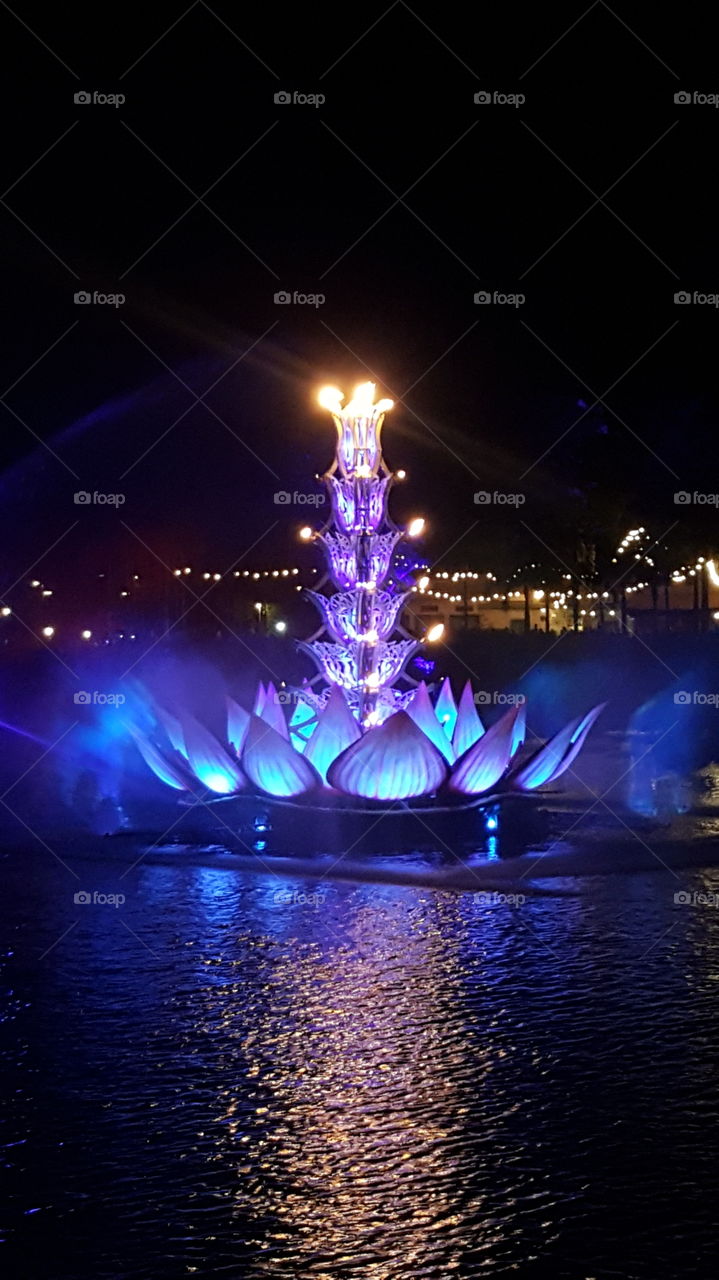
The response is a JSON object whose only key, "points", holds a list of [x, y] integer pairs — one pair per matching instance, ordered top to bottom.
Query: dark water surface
{"points": [[374, 1082]]}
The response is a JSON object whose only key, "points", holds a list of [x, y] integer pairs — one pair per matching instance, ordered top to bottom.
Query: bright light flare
{"points": [[330, 398], [415, 527], [306, 533], [48, 632], [435, 633], [86, 635]]}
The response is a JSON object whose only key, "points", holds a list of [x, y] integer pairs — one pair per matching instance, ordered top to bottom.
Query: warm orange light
{"points": [[415, 527], [306, 533], [435, 633]]}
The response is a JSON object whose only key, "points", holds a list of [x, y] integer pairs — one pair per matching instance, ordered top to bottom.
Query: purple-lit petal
{"points": [[445, 708], [420, 710], [272, 711], [469, 727], [392, 762]]}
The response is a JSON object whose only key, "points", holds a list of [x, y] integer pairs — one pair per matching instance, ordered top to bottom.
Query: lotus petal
{"points": [[260, 697], [445, 708], [272, 710], [420, 710], [238, 722], [303, 723], [469, 727], [173, 729], [520, 729], [336, 730], [555, 757], [208, 759], [395, 761], [484, 763], [273, 765], [162, 768]]}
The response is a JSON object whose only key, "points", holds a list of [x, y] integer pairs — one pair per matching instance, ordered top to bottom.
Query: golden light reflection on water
{"points": [[364, 1080]]}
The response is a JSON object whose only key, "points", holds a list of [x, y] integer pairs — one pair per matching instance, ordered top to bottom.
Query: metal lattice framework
{"points": [[359, 543]]}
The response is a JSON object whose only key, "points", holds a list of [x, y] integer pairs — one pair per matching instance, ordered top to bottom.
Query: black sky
{"points": [[397, 199]]}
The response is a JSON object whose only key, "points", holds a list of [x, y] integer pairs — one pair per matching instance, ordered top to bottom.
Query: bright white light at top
{"points": [[330, 398], [401, 475], [415, 527], [306, 533], [712, 571], [423, 583], [281, 627], [48, 632], [435, 633], [86, 635]]}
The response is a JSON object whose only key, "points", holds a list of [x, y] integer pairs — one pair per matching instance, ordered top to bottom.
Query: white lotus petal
{"points": [[445, 708], [395, 761]]}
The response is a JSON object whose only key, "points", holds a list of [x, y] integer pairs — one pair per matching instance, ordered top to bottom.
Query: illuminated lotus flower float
{"points": [[359, 735]]}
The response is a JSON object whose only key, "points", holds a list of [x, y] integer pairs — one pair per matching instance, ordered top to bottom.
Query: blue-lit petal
{"points": [[272, 711], [238, 722], [173, 729], [336, 730], [555, 757], [208, 759], [395, 761], [273, 765], [481, 767], [163, 769]]}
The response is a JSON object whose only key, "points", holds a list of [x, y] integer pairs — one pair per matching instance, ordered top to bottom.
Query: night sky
{"points": [[397, 199]]}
